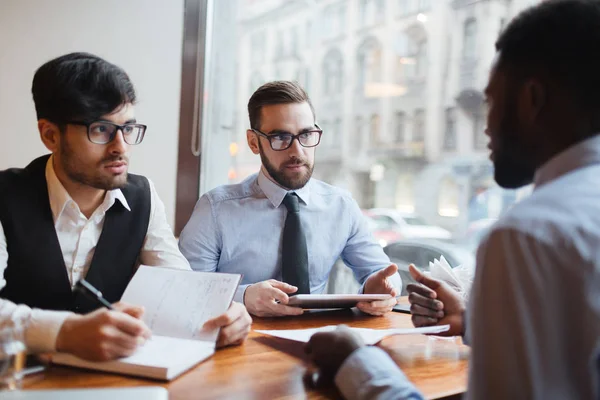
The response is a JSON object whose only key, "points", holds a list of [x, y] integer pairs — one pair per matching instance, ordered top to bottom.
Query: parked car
{"points": [[409, 225], [382, 232], [421, 251]]}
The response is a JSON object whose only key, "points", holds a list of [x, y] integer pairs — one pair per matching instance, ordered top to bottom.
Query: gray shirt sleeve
{"points": [[370, 373]]}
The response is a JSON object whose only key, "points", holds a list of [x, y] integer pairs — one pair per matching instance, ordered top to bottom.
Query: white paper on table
{"points": [[459, 278], [370, 336]]}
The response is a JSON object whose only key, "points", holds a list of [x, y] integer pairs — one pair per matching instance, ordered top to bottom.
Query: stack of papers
{"points": [[459, 278], [369, 336]]}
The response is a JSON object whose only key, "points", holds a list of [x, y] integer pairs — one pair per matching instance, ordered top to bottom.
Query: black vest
{"points": [[36, 274]]}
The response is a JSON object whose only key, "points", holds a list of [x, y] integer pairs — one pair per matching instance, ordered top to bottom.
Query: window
{"points": [[406, 7], [370, 12], [334, 18], [470, 40], [257, 47], [293, 50], [421, 59], [369, 63], [333, 73], [384, 88], [400, 126], [419, 126], [374, 129], [450, 133]]}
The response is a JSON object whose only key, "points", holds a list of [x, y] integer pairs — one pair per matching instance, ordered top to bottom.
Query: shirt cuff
{"points": [[239, 294], [42, 330], [369, 372]]}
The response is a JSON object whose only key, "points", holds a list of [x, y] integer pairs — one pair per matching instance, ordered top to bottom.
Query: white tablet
{"points": [[333, 300]]}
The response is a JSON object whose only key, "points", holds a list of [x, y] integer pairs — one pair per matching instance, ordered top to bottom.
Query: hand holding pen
{"points": [[110, 332]]}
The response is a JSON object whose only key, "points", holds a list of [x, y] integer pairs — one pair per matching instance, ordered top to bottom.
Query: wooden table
{"points": [[271, 368]]}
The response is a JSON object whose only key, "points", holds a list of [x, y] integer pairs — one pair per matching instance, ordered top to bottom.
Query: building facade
{"points": [[398, 90]]}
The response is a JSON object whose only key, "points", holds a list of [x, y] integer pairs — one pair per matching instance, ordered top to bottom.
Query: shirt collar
{"points": [[579, 155], [276, 193], [60, 198]]}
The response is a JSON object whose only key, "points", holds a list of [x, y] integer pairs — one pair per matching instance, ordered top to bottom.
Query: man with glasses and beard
{"points": [[77, 213], [279, 228]]}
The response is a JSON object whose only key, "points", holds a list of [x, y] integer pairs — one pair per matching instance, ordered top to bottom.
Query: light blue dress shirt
{"points": [[239, 229], [533, 319]]}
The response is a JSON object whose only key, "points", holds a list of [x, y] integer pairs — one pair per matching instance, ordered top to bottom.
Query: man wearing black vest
{"points": [[77, 213]]}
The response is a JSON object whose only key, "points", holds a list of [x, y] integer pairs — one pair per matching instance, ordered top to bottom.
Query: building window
{"points": [[424, 5], [407, 7], [371, 12], [334, 20], [294, 36], [470, 40], [257, 47], [279, 51], [421, 59], [369, 63], [333, 72], [374, 126], [400, 126], [419, 126], [450, 131], [358, 133]]}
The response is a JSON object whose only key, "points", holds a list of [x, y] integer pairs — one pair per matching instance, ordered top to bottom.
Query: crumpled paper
{"points": [[459, 278]]}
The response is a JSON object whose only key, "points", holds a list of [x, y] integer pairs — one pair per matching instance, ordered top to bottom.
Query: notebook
{"points": [[177, 304]]}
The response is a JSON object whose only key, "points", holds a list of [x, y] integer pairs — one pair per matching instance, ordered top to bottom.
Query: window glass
{"points": [[397, 86]]}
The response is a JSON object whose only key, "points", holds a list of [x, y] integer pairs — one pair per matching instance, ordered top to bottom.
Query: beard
{"points": [[513, 158], [81, 174], [287, 179]]}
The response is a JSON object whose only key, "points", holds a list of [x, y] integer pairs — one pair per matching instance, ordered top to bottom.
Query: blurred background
{"points": [[397, 86]]}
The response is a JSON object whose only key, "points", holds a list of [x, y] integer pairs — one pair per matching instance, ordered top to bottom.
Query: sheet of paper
{"points": [[177, 302], [370, 336]]}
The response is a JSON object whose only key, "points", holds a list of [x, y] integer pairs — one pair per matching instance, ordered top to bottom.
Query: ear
{"points": [[535, 98], [50, 134], [252, 139]]}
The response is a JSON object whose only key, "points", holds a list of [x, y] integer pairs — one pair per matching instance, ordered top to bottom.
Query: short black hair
{"points": [[560, 39], [80, 87]]}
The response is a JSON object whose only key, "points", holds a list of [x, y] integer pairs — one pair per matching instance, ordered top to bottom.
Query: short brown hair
{"points": [[276, 92]]}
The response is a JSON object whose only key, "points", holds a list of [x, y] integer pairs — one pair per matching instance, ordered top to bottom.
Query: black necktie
{"points": [[294, 258]]}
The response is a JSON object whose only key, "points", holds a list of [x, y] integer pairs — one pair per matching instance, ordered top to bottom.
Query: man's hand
{"points": [[379, 283], [269, 299], [433, 302], [234, 324], [104, 334], [329, 350]]}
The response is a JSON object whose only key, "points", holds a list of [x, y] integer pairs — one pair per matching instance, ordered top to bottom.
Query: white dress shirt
{"points": [[78, 237], [534, 315], [533, 319]]}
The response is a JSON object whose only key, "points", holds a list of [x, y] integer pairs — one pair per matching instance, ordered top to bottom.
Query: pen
{"points": [[88, 290]]}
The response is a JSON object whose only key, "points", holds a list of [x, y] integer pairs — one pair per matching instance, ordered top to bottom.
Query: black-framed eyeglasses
{"points": [[103, 132], [283, 141]]}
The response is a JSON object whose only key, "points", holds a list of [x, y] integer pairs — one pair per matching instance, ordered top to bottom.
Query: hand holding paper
{"points": [[434, 302]]}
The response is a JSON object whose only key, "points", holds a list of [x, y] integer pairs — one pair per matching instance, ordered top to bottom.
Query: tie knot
{"points": [[291, 202]]}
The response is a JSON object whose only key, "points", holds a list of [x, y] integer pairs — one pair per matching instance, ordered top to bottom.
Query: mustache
{"points": [[112, 159], [295, 162]]}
